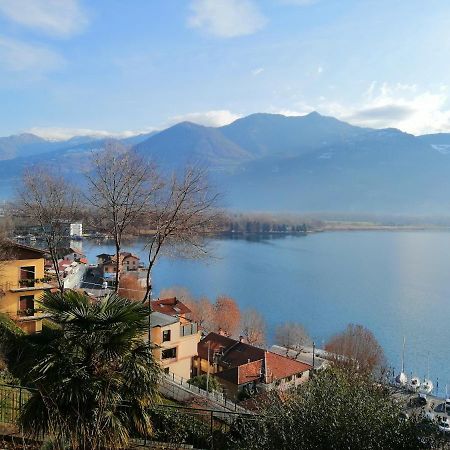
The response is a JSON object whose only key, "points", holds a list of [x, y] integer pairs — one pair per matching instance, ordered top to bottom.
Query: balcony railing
{"points": [[29, 285]]}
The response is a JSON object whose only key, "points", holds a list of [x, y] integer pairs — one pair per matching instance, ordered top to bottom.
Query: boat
{"points": [[401, 379], [414, 384], [427, 385]]}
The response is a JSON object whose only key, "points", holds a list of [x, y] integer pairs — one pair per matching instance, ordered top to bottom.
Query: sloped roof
{"points": [[20, 251], [171, 306], [158, 319], [235, 353], [275, 366], [282, 367]]}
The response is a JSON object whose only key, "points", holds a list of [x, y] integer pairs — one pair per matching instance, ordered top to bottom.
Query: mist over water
{"points": [[395, 283]]}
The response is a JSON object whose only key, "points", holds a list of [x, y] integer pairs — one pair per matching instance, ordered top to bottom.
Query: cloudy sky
{"points": [[68, 67]]}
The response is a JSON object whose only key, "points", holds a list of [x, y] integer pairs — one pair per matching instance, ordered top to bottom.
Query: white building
{"points": [[76, 230]]}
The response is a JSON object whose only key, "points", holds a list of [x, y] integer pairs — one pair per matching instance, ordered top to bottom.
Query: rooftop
{"points": [[171, 306], [158, 319], [235, 353], [270, 368]]}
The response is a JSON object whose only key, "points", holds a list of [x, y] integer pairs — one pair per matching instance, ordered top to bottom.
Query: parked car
{"points": [[444, 425]]}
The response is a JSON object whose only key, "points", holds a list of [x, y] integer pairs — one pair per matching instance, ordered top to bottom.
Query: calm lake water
{"points": [[395, 283]]}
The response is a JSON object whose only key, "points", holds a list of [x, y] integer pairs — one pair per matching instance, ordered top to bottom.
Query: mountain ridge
{"points": [[302, 163]]}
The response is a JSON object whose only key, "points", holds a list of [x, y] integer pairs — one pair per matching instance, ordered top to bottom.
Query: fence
{"points": [[180, 389], [174, 425]]}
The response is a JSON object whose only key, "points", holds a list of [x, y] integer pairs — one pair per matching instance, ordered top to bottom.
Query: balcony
{"points": [[25, 286], [30, 314]]}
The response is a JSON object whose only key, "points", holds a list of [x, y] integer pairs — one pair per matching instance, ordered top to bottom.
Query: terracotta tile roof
{"points": [[171, 306], [278, 367], [282, 367]]}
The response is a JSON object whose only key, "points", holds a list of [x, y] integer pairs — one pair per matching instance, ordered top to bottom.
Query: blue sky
{"points": [[71, 67]]}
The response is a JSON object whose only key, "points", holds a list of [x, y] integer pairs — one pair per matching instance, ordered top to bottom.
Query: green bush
{"points": [[200, 381], [333, 411]]}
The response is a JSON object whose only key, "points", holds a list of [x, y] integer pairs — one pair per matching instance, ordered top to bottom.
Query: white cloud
{"points": [[55, 17], [226, 18], [18, 56], [319, 70], [257, 71], [384, 105], [405, 107], [214, 118], [62, 134]]}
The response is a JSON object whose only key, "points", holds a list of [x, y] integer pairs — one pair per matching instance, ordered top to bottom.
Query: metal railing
{"points": [[214, 396], [174, 426]]}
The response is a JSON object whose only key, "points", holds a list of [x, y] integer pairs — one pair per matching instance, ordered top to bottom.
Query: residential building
{"points": [[76, 230], [127, 262], [130, 262], [22, 282], [176, 342], [245, 370]]}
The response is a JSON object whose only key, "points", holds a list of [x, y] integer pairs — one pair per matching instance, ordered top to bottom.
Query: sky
{"points": [[74, 67]]}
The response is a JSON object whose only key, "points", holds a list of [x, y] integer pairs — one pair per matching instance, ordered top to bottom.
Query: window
{"points": [[26, 277], [26, 305], [166, 335], [169, 353], [166, 370]]}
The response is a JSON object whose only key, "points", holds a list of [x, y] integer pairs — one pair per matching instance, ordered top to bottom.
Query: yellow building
{"points": [[21, 283], [176, 343]]}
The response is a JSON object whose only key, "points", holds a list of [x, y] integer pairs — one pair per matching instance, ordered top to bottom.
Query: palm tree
{"points": [[92, 374]]}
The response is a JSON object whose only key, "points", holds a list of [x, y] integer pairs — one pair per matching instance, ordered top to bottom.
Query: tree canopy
{"points": [[92, 375], [335, 410]]}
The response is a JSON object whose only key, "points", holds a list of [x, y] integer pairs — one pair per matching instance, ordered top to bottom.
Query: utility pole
{"points": [[314, 355], [207, 373]]}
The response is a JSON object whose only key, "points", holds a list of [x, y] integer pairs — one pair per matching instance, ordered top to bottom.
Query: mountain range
{"points": [[270, 162]]}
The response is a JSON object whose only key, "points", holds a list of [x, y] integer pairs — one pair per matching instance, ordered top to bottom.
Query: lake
{"points": [[395, 283]]}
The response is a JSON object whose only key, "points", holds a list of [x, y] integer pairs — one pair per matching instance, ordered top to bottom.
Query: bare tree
{"points": [[121, 187], [51, 202], [182, 213], [181, 293], [202, 312], [227, 316], [253, 327], [292, 336], [357, 349]]}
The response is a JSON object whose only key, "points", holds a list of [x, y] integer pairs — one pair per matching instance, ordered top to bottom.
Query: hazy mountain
{"points": [[278, 135], [191, 143], [21, 144], [273, 162]]}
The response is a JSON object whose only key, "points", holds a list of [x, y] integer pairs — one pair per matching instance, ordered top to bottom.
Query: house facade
{"points": [[128, 262], [22, 282], [176, 342]]}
